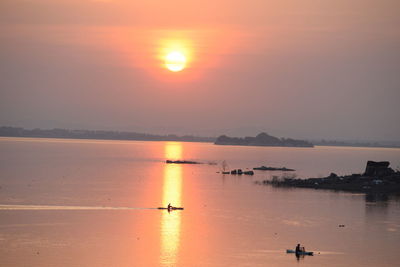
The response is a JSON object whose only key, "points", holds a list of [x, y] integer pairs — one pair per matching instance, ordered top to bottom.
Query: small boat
{"points": [[171, 208], [309, 253]]}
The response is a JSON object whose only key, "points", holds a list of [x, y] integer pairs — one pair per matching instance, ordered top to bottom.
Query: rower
{"points": [[169, 206], [298, 249]]}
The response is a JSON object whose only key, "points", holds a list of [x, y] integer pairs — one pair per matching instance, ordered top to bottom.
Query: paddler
{"points": [[298, 249]]}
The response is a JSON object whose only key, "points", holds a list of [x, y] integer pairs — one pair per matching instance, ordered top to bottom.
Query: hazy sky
{"points": [[302, 69]]}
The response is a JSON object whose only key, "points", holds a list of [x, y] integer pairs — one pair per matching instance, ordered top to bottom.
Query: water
{"points": [[92, 203]]}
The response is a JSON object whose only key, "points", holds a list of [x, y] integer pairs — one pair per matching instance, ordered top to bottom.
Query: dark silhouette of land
{"points": [[93, 134], [262, 139], [181, 162], [265, 168], [377, 178]]}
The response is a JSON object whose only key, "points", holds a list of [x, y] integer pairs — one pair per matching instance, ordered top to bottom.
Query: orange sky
{"points": [[325, 69]]}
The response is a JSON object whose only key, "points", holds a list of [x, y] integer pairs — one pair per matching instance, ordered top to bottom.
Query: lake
{"points": [[93, 203]]}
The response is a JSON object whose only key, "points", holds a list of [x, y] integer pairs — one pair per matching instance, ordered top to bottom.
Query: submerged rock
{"points": [[239, 172]]}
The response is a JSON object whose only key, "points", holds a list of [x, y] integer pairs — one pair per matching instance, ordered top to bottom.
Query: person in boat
{"points": [[169, 206], [299, 249]]}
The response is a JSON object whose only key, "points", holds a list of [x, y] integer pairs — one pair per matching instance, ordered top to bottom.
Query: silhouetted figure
{"points": [[169, 206], [298, 249]]}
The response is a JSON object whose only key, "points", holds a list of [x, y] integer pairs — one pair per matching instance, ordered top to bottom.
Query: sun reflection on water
{"points": [[173, 151], [172, 193]]}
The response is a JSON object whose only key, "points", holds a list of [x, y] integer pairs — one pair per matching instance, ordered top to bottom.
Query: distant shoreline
{"points": [[20, 132], [97, 135], [98, 139], [351, 144]]}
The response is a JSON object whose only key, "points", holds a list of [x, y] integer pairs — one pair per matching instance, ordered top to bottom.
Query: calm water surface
{"points": [[92, 203]]}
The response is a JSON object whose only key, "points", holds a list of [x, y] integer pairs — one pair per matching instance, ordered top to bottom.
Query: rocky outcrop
{"points": [[239, 172], [378, 178]]}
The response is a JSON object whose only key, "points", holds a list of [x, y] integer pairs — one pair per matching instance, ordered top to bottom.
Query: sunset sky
{"points": [[302, 69]]}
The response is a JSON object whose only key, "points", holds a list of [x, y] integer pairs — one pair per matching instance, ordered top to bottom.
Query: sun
{"points": [[175, 61]]}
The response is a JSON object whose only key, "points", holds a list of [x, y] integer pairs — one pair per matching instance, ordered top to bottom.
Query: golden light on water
{"points": [[173, 151], [172, 187], [172, 193]]}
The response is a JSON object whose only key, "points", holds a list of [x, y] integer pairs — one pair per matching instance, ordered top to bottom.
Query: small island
{"points": [[262, 139], [181, 162], [265, 168], [377, 178]]}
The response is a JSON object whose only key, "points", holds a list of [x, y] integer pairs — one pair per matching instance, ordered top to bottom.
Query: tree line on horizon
{"points": [[97, 134], [262, 139]]}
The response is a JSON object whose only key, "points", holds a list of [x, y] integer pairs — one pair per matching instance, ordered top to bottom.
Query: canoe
{"points": [[172, 208], [310, 253]]}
